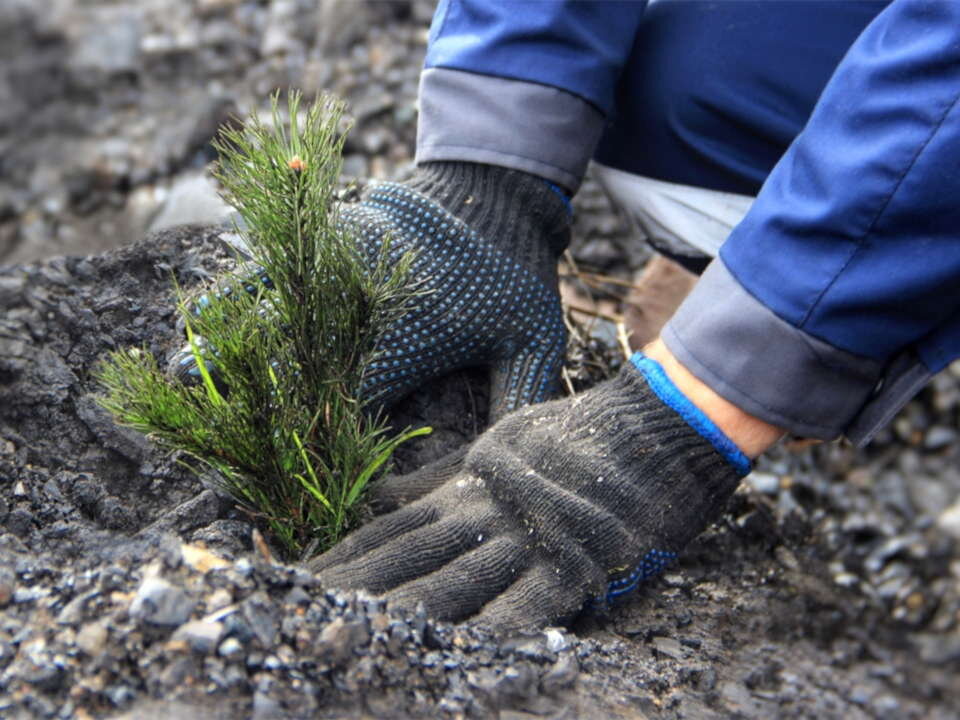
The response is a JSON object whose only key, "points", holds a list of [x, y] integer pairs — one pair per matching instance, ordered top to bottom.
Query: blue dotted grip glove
{"points": [[487, 241], [568, 503]]}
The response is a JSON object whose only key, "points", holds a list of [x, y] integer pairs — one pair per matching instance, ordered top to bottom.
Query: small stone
{"points": [[280, 35], [115, 45], [372, 104], [375, 141], [193, 199], [11, 288], [939, 437], [766, 483], [929, 495], [949, 520], [20, 522], [889, 549], [786, 558], [201, 559], [675, 579], [846, 579], [895, 580], [8, 583], [29, 594], [297, 596], [218, 599], [914, 601], [159, 603], [73, 611], [261, 616], [234, 622], [380, 622], [634, 630], [201, 636], [92, 637], [340, 638], [556, 640], [669, 647], [531, 648], [230, 649], [939, 649], [177, 672], [561, 675], [48, 677], [706, 680], [517, 681], [120, 695], [886, 706], [265, 707]]}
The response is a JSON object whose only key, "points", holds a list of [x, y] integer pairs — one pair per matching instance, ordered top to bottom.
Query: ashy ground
{"points": [[128, 589]]}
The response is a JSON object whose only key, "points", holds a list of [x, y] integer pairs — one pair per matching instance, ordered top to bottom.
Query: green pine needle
{"points": [[288, 438]]}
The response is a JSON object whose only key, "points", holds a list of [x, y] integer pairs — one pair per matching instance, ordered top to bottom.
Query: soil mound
{"points": [[129, 589]]}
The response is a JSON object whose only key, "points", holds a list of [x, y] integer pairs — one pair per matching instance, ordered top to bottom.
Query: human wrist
{"points": [[752, 435]]}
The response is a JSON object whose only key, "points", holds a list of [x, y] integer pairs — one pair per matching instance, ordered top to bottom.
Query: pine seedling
{"points": [[280, 425]]}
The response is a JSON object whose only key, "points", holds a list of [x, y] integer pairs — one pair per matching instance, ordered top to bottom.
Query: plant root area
{"points": [[129, 589]]}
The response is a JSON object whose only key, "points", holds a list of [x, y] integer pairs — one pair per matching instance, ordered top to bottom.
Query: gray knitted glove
{"points": [[487, 241], [560, 504]]}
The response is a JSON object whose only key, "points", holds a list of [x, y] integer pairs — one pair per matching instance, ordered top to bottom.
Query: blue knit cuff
{"points": [[559, 191], [664, 388]]}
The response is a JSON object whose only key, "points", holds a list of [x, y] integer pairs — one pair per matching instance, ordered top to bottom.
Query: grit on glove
{"points": [[486, 241], [570, 502]]}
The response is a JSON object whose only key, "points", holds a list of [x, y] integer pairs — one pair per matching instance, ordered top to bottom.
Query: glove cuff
{"points": [[522, 215], [664, 388]]}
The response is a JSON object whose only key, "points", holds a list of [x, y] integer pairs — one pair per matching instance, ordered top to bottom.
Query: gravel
{"points": [[107, 108], [128, 589], [330, 648]]}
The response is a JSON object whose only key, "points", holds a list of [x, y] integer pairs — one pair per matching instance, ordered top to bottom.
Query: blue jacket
{"points": [[838, 296]]}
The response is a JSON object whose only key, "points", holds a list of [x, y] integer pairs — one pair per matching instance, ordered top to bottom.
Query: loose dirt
{"points": [[129, 589]]}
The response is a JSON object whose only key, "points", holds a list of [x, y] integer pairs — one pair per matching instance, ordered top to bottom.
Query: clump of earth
{"points": [[131, 589]]}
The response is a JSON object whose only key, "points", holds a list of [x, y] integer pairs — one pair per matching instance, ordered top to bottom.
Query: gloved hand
{"points": [[487, 241], [557, 505]]}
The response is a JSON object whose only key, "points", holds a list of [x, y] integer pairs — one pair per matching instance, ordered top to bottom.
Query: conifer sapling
{"points": [[281, 426]]}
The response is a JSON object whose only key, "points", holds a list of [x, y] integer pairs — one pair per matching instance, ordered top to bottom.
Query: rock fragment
{"points": [[159, 602], [200, 635]]}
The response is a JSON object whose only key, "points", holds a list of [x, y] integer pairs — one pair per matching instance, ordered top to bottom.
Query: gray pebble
{"points": [[938, 437], [160, 603], [202, 636], [341, 638], [231, 649], [561, 675]]}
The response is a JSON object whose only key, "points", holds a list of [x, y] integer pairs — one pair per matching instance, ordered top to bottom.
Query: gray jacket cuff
{"points": [[510, 123], [764, 365]]}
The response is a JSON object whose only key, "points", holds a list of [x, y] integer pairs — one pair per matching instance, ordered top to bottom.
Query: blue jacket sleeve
{"points": [[575, 45], [523, 84], [850, 256]]}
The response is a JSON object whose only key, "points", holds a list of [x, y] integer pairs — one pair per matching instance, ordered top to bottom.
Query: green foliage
{"points": [[281, 425]]}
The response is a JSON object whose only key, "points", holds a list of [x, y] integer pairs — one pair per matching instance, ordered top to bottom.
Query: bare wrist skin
{"points": [[749, 433]]}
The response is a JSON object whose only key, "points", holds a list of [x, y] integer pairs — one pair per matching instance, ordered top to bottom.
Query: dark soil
{"points": [[129, 589], [776, 612]]}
